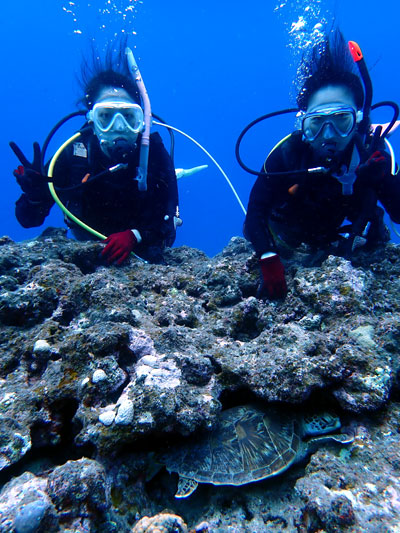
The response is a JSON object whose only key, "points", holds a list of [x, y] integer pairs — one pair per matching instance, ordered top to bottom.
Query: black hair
{"points": [[328, 63], [110, 71]]}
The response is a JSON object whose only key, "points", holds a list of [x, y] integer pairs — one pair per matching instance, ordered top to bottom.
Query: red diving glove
{"points": [[374, 169], [119, 246], [273, 283]]}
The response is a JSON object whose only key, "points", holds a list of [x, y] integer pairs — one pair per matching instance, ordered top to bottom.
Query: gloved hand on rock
{"points": [[119, 246], [273, 283]]}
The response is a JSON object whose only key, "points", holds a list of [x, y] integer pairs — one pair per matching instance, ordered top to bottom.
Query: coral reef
{"points": [[102, 368], [161, 523]]}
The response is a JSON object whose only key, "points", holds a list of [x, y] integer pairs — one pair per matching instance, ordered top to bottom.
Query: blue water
{"points": [[210, 67]]}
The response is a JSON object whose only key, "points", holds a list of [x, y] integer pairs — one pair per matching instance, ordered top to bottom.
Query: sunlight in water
{"points": [[111, 13]]}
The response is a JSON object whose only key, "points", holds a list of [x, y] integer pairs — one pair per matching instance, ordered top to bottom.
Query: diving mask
{"points": [[110, 115], [343, 120]]}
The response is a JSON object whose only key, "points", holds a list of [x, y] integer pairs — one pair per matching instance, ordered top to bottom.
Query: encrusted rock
{"points": [[336, 287], [115, 363], [80, 489], [25, 506], [161, 523]]}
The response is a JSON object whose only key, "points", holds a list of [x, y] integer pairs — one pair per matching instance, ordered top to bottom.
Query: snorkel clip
{"points": [[347, 175], [346, 179]]}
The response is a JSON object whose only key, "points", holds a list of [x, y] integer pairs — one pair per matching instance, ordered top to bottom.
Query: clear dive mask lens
{"points": [[105, 114], [342, 119]]}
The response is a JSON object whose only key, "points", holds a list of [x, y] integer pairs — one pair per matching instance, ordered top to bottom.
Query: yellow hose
{"points": [[274, 148], [56, 198], [62, 206]]}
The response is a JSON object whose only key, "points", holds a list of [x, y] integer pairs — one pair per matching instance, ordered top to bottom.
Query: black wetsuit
{"points": [[113, 203], [312, 209]]}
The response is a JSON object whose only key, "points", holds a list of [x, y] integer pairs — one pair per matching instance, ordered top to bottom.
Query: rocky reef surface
{"points": [[102, 368]]}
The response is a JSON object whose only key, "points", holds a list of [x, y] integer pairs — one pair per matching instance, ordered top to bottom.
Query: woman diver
{"points": [[332, 170]]}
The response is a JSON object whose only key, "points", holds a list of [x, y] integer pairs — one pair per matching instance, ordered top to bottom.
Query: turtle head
{"points": [[320, 424]]}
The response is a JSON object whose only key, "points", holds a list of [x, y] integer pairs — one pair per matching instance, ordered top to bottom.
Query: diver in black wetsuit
{"points": [[311, 208], [139, 219]]}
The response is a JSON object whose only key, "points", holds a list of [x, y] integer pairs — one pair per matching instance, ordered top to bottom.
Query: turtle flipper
{"points": [[341, 438], [344, 438], [185, 487]]}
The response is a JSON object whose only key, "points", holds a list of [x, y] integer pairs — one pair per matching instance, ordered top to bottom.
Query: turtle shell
{"points": [[247, 445]]}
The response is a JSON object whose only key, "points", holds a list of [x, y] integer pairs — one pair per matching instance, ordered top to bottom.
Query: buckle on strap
{"points": [[348, 178]]}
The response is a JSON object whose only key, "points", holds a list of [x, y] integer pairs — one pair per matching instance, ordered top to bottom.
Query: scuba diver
{"points": [[116, 177], [320, 185]]}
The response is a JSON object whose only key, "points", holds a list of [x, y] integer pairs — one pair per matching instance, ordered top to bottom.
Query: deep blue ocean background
{"points": [[210, 67]]}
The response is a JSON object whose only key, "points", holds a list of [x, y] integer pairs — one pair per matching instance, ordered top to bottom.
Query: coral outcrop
{"points": [[102, 368]]}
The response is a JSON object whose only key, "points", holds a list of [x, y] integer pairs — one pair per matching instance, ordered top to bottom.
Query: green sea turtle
{"points": [[249, 444]]}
